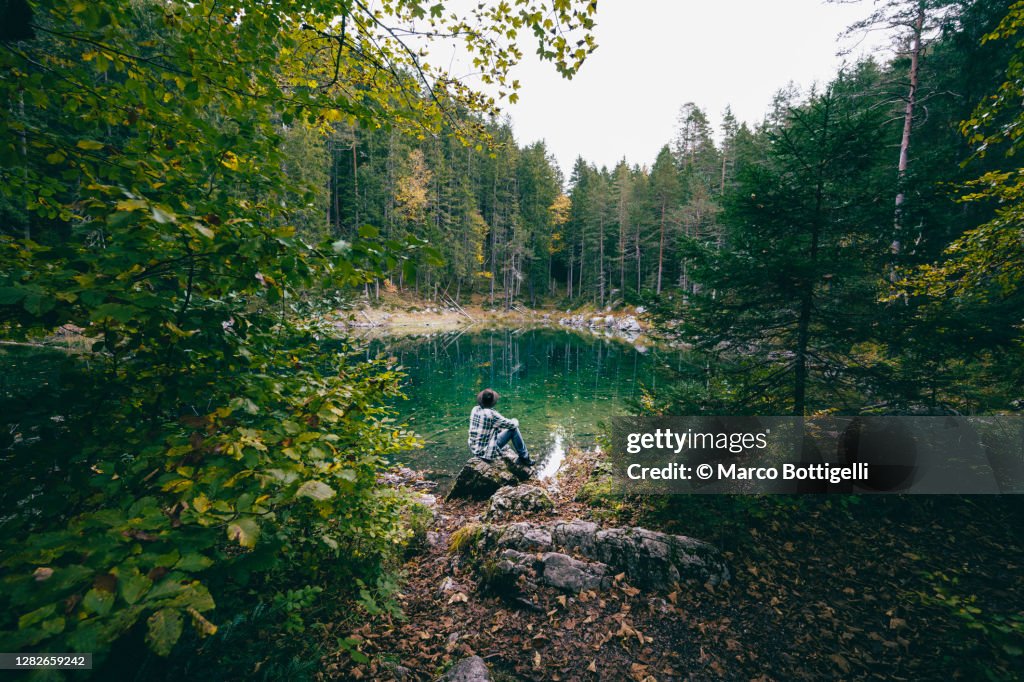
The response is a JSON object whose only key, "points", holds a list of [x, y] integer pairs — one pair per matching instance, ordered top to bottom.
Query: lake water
{"points": [[559, 384]]}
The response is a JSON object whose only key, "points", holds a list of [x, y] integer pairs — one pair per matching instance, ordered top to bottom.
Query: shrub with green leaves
{"points": [[211, 441]]}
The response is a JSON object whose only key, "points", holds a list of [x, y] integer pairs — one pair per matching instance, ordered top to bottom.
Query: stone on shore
{"points": [[479, 479], [509, 502], [650, 559], [553, 569], [472, 669]]}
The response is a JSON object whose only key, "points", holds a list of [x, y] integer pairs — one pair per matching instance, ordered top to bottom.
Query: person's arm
{"points": [[503, 423]]}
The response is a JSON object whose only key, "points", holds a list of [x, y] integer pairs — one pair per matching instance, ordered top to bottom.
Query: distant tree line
{"points": [[840, 237]]}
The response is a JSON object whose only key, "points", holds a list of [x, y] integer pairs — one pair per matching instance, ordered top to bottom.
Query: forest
{"points": [[197, 453]]}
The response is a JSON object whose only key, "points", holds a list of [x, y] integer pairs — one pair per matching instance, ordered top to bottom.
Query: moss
{"points": [[598, 491], [464, 539]]}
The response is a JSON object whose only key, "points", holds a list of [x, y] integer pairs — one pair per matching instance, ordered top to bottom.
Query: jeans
{"points": [[517, 442]]}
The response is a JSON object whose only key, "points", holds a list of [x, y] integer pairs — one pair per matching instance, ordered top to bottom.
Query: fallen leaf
{"points": [[843, 664]]}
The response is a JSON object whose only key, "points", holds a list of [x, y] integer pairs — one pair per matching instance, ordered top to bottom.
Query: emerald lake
{"points": [[560, 384]]}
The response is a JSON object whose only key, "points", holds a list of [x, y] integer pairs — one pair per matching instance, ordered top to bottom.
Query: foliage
{"points": [[984, 267], [212, 442]]}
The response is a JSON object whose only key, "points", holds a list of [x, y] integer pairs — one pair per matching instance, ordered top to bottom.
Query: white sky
{"points": [[653, 56]]}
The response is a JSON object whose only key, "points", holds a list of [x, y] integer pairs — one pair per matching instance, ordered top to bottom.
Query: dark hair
{"points": [[487, 398]]}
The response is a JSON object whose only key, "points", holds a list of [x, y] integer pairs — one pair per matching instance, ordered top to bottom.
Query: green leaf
{"points": [[90, 145], [119, 219], [369, 232], [10, 295], [39, 304], [116, 311], [316, 490], [245, 531], [193, 562], [134, 586], [98, 601], [39, 615], [53, 626], [164, 629]]}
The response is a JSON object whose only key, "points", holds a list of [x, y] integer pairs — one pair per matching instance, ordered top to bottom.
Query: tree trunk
{"points": [[908, 122], [355, 180], [661, 248], [600, 259], [638, 259], [568, 280], [807, 296]]}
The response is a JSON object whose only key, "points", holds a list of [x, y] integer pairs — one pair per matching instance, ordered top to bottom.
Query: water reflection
{"points": [[559, 384]]}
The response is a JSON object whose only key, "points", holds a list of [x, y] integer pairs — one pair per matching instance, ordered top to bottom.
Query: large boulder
{"points": [[480, 479], [508, 502], [649, 559], [553, 569], [472, 669]]}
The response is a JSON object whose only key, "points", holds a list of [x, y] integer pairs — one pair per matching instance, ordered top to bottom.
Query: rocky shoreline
{"points": [[623, 324], [504, 546]]}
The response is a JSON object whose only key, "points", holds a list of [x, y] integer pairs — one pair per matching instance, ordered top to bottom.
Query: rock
{"points": [[640, 310], [597, 321], [609, 321], [629, 324], [410, 478], [478, 479], [521, 499], [523, 536], [650, 559], [553, 569], [572, 575], [448, 585], [472, 669], [400, 672]]}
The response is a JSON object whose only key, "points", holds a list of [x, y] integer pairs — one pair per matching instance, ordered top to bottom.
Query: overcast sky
{"points": [[653, 56]]}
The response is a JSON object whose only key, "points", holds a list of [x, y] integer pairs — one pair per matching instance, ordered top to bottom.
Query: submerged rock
{"points": [[480, 479], [521, 499], [649, 559], [472, 669]]}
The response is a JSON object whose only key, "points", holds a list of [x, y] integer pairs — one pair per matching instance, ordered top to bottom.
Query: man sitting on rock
{"points": [[489, 432]]}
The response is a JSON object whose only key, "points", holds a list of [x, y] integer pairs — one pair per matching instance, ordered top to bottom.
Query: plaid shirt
{"points": [[484, 426]]}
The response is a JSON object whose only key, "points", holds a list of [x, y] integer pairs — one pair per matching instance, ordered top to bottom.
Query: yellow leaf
{"points": [[229, 160], [202, 626]]}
